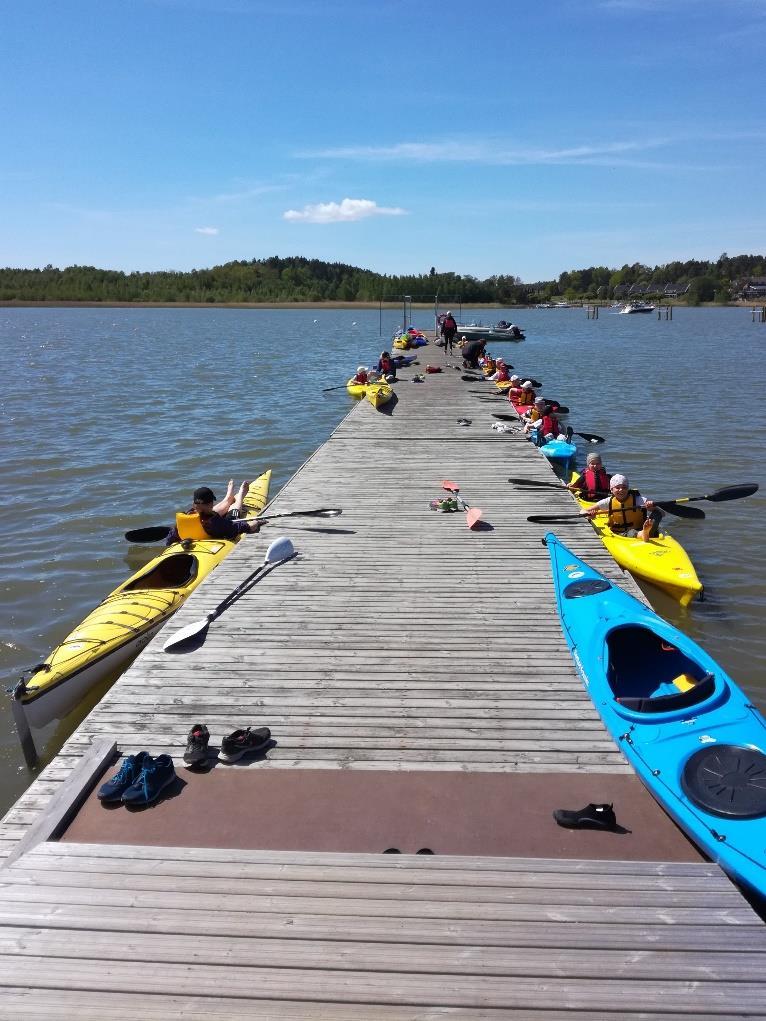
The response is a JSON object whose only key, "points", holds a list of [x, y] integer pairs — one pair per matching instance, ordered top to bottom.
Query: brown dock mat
{"points": [[369, 811]]}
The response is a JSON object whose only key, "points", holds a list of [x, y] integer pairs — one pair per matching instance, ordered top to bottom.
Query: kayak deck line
{"points": [[421, 697]]}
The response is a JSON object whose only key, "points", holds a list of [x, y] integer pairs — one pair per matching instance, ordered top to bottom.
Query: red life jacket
{"points": [[502, 375], [550, 424], [595, 483]]}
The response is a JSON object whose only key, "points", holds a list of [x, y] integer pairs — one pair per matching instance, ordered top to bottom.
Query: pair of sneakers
{"points": [[240, 742], [139, 781]]}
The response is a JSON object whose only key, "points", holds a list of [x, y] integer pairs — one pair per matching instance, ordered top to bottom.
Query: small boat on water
{"points": [[636, 308], [501, 331], [661, 561], [126, 621], [692, 736]]}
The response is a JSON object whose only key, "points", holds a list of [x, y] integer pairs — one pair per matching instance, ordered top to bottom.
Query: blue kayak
{"points": [[559, 450], [690, 733]]}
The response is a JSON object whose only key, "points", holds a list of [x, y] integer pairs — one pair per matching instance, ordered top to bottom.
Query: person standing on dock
{"points": [[448, 331], [629, 513]]}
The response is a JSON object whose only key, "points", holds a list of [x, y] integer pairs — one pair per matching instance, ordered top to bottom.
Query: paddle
{"points": [[327, 389], [590, 437], [722, 495], [670, 506], [472, 514], [153, 533], [278, 552]]}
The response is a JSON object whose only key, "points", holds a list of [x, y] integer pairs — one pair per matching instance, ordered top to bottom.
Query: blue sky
{"points": [[499, 137]]}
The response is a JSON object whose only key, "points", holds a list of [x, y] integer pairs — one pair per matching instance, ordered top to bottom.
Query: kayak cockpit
{"points": [[175, 571], [647, 674]]}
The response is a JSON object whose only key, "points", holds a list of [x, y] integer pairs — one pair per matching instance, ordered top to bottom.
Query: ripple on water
{"points": [[140, 406]]}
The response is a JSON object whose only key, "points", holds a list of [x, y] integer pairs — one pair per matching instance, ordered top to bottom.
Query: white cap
{"points": [[499, 361], [361, 368], [514, 376], [527, 385], [540, 400], [593, 458], [618, 480]]}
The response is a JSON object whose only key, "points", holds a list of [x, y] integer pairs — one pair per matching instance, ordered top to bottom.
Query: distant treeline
{"points": [[299, 279]]}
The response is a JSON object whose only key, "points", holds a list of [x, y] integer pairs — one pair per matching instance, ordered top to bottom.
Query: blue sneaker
{"points": [[130, 770], [156, 775]]}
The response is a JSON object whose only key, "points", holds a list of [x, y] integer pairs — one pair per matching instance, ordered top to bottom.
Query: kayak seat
{"points": [[172, 572], [643, 665], [669, 703]]}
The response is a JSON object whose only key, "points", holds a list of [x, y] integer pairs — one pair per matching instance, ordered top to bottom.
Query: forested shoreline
{"points": [[296, 279]]}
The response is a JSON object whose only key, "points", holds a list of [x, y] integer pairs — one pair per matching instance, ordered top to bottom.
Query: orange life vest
{"points": [[627, 514], [189, 526]]}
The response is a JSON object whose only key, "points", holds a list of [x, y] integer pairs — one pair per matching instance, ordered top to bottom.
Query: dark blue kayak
{"points": [[690, 733]]}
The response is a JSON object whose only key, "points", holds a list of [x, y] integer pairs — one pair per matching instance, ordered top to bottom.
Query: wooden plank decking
{"points": [[397, 641]]}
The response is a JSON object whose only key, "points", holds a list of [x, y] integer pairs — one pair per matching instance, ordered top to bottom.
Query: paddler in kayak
{"points": [[386, 367], [500, 375], [361, 376], [523, 395], [545, 427], [593, 484], [629, 513], [210, 520]]}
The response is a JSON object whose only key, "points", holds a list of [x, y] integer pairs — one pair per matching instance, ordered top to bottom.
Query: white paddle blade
{"points": [[280, 549], [185, 634]]}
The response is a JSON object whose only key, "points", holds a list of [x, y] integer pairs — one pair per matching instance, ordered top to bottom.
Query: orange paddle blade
{"points": [[453, 487], [473, 517]]}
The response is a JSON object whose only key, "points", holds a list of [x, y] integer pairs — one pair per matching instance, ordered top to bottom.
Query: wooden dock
{"points": [[421, 698]]}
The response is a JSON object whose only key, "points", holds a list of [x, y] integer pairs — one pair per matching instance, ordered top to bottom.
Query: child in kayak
{"points": [[500, 374], [361, 376], [524, 395], [545, 427], [593, 484], [629, 513], [214, 520]]}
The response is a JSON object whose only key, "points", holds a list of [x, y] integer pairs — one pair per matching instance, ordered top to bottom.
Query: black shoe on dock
{"points": [[244, 742], [196, 744], [592, 817]]}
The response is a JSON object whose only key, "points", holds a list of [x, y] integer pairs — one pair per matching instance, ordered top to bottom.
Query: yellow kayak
{"points": [[376, 393], [379, 394], [662, 561], [125, 621]]}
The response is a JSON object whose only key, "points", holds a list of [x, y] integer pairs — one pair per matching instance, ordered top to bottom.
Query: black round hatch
{"points": [[589, 587], [727, 780]]}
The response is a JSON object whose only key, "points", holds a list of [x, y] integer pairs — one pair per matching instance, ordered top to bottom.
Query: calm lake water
{"points": [[109, 417]]}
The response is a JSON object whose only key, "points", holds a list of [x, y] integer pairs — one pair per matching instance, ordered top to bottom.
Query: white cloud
{"points": [[494, 153], [341, 212], [206, 230]]}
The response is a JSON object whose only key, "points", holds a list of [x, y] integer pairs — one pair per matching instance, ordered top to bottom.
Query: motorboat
{"points": [[635, 307], [500, 331]]}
